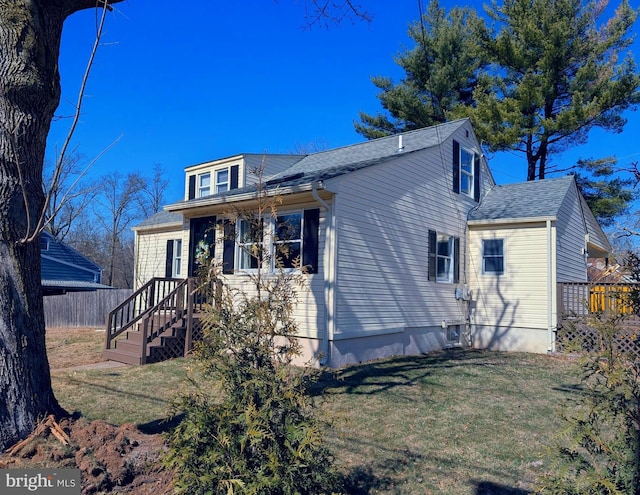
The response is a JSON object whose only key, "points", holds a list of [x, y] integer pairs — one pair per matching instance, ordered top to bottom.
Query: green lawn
{"points": [[449, 423]]}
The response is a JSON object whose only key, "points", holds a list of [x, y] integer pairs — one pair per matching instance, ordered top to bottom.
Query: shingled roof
{"points": [[333, 163], [533, 199], [537, 200]]}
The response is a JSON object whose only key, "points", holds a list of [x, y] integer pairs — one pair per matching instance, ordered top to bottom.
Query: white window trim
{"points": [[468, 174], [218, 183], [202, 188], [268, 242], [274, 242], [242, 253], [450, 257], [176, 262], [504, 264]]}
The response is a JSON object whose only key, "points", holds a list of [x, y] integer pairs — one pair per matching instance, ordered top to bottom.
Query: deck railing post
{"points": [[108, 331], [145, 332], [188, 339]]}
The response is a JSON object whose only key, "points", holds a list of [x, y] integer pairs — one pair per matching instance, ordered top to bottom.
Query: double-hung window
{"points": [[466, 172], [222, 180], [204, 184], [287, 241], [250, 244], [493, 256], [177, 258], [444, 258], [173, 263]]}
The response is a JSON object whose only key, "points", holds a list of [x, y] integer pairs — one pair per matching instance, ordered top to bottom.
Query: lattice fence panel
{"points": [[580, 337]]}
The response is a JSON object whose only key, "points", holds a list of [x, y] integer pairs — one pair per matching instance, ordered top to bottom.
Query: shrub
{"points": [[249, 425], [598, 450]]}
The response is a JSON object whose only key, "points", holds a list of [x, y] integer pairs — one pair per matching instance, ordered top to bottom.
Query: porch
{"points": [[159, 321]]}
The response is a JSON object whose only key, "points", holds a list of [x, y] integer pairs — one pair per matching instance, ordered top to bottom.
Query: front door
{"points": [[202, 242]]}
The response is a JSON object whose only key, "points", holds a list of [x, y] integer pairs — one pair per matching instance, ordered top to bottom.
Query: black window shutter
{"points": [[456, 166], [476, 178], [233, 183], [192, 187], [310, 240], [228, 247], [432, 260], [456, 260], [168, 266]]}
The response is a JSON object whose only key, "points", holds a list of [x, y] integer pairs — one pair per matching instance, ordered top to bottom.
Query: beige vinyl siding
{"points": [[384, 215], [151, 254], [571, 260], [518, 298]]}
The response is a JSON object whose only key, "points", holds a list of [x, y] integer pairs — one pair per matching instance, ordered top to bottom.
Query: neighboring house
{"points": [[409, 244], [66, 270]]}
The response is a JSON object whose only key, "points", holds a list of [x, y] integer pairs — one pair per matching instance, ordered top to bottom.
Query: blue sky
{"points": [[179, 84]]}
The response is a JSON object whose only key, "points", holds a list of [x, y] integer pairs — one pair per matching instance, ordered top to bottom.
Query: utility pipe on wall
{"points": [[328, 273]]}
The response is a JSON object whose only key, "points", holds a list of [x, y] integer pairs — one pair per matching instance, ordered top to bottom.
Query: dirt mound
{"points": [[112, 459]]}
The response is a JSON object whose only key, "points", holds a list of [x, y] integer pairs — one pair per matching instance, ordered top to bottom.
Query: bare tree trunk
{"points": [[30, 32]]}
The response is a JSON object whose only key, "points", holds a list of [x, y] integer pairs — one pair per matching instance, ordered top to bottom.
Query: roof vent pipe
{"points": [[400, 145]]}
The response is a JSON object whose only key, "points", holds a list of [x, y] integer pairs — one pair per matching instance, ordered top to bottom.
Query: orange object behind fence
{"points": [[610, 298]]}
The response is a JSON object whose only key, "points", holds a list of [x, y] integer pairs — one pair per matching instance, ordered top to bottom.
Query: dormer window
{"points": [[214, 180], [204, 185]]}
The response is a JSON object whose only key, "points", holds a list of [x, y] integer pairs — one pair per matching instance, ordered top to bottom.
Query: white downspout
{"points": [[328, 274], [550, 299]]}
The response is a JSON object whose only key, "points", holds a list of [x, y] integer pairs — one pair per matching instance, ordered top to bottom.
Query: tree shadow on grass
{"points": [[382, 375], [160, 425], [363, 480], [490, 488]]}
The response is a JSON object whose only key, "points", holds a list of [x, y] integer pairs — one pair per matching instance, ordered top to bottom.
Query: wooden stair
{"points": [[157, 322], [170, 344]]}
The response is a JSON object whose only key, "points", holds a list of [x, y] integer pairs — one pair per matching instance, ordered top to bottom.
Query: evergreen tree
{"points": [[559, 73], [441, 74], [536, 81], [607, 195]]}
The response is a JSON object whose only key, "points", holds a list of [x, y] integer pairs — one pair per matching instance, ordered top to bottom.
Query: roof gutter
{"points": [[509, 221], [329, 274]]}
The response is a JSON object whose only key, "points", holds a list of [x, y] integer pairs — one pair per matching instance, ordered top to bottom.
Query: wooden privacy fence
{"points": [[578, 301], [82, 309]]}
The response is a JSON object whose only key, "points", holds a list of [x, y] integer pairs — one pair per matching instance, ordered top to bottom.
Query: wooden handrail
{"points": [[157, 306], [135, 307], [163, 316]]}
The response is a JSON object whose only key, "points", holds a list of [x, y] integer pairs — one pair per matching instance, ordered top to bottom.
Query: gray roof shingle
{"points": [[333, 163], [533, 199], [159, 219]]}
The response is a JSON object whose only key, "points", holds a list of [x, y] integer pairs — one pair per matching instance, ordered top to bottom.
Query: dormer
{"points": [[235, 172], [214, 177]]}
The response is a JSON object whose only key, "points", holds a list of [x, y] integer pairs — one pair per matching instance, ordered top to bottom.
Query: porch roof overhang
{"points": [[216, 202], [596, 250]]}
